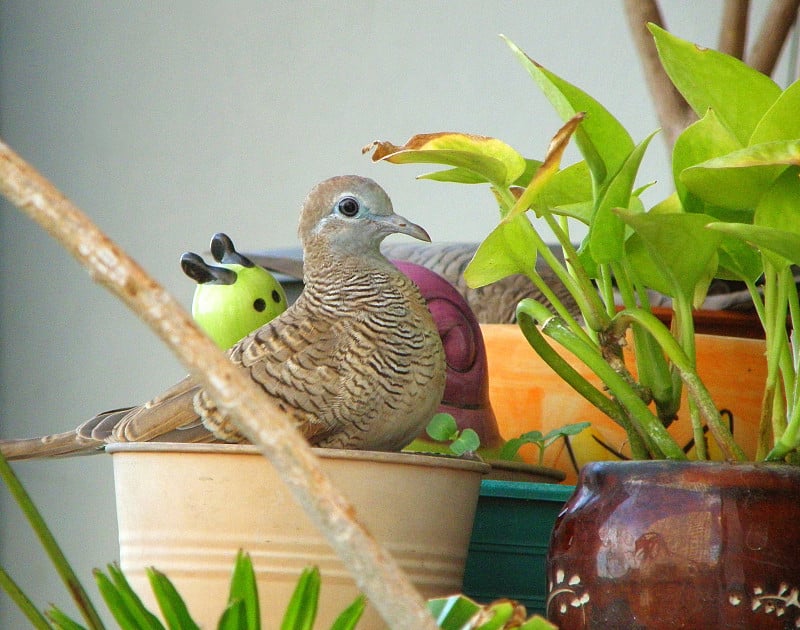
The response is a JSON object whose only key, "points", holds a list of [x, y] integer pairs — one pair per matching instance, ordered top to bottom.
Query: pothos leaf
{"points": [[710, 79], [603, 141], [488, 158], [548, 169], [740, 178], [777, 222], [607, 231], [679, 245], [509, 249]]}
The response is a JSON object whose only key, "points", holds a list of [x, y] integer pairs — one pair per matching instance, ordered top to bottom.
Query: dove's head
{"points": [[351, 215]]}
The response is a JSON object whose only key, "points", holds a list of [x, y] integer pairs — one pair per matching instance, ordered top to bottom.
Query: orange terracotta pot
{"points": [[526, 395]]}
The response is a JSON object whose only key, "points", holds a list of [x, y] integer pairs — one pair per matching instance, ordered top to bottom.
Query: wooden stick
{"points": [[777, 25], [733, 27], [673, 111], [258, 417]]}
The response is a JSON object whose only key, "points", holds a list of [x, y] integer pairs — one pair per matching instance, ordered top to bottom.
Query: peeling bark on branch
{"points": [[259, 418]]}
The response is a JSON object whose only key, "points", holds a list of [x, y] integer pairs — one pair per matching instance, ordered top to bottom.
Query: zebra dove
{"points": [[495, 303], [356, 361]]}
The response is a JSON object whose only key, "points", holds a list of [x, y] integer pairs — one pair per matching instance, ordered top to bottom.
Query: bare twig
{"points": [[777, 24], [733, 27], [674, 114], [258, 417]]}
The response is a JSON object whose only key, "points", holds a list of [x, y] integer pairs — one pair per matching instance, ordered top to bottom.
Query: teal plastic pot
{"points": [[510, 536]]}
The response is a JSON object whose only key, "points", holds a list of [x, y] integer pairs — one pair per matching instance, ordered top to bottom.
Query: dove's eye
{"points": [[348, 207]]}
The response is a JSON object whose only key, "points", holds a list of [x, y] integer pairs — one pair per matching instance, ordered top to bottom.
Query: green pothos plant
{"points": [[735, 214]]}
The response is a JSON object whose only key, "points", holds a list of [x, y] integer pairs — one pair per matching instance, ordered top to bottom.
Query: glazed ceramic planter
{"points": [[526, 394], [186, 509], [665, 545]]}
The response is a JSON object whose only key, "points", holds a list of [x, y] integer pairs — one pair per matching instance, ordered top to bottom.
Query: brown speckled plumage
{"points": [[356, 360]]}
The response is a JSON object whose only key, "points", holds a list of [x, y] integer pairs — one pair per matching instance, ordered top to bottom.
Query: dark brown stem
{"points": [[777, 25], [733, 28], [674, 114], [237, 396]]}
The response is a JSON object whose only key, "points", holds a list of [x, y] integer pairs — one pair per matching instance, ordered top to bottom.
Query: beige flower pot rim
{"points": [[434, 460]]}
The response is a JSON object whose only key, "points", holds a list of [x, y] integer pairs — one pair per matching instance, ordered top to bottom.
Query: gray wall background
{"points": [[167, 122]]}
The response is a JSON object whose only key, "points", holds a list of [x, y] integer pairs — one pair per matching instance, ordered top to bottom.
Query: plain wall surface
{"points": [[167, 122]]}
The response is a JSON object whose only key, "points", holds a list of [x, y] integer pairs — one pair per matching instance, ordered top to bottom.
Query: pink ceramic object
{"points": [[466, 394]]}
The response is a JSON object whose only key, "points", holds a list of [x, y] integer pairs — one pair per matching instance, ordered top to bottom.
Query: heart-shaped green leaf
{"points": [[738, 94], [781, 122], [705, 139], [603, 141], [740, 178], [541, 180], [568, 187], [607, 231], [776, 231], [679, 245], [509, 249], [738, 260]]}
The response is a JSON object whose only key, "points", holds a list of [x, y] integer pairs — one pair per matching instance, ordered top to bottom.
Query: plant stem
{"points": [[505, 198], [580, 285], [606, 287], [547, 291], [529, 314], [684, 325], [774, 331], [685, 366], [651, 367], [237, 396], [644, 423], [789, 440], [50, 545], [28, 608]]}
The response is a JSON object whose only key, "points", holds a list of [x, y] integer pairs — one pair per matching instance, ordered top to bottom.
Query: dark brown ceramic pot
{"points": [[678, 545]]}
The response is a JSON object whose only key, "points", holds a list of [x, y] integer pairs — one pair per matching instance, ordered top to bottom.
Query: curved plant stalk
{"points": [[581, 289], [529, 313], [652, 368], [695, 387], [237, 396], [784, 411], [642, 421], [789, 440], [51, 547]]}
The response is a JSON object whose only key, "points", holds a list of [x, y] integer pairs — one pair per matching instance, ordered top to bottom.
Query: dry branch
{"points": [[777, 25], [733, 27], [673, 112], [258, 417]]}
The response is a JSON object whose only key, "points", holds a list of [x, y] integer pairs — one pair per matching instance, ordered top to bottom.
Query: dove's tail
{"points": [[88, 438], [57, 445]]}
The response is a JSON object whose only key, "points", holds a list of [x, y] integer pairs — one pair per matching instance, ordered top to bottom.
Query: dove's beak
{"points": [[396, 224]]}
